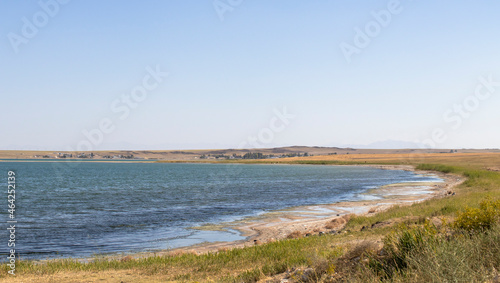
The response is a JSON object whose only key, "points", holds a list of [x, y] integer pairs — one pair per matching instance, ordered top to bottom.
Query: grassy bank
{"points": [[420, 243]]}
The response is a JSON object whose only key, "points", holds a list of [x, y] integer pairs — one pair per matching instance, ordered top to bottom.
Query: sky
{"points": [[185, 74]]}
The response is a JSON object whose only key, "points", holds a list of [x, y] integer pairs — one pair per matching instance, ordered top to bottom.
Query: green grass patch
{"points": [[439, 168], [265, 260]]}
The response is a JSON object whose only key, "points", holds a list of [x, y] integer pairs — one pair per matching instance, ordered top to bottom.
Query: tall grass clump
{"points": [[401, 246], [466, 250], [423, 254], [459, 259]]}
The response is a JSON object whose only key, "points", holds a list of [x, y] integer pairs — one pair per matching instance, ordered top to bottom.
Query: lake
{"points": [[76, 209]]}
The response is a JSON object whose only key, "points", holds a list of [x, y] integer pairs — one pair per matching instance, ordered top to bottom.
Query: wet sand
{"points": [[327, 218]]}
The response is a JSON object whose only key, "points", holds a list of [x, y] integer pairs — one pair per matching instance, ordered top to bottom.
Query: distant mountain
{"points": [[387, 144]]}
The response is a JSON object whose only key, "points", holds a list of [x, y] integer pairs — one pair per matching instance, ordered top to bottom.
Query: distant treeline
{"points": [[252, 155]]}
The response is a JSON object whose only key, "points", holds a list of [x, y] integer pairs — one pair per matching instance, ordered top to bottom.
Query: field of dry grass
{"points": [[407, 156], [485, 160]]}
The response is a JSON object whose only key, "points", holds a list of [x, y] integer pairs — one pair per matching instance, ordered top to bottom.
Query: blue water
{"points": [[78, 209]]}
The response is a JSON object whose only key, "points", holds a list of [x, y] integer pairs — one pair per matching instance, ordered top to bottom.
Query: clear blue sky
{"points": [[230, 70]]}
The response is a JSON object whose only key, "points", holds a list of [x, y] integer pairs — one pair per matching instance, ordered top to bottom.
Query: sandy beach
{"points": [[326, 218]]}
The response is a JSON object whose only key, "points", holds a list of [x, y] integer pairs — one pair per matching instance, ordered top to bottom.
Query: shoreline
{"points": [[323, 218], [311, 219]]}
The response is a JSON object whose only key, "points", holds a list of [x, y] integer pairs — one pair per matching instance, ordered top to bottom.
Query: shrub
{"points": [[479, 219]]}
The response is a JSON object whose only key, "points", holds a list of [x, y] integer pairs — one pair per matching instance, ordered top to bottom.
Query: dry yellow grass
{"points": [[405, 156], [486, 160], [86, 276]]}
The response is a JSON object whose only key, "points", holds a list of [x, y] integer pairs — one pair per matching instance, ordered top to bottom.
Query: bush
{"points": [[479, 219]]}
